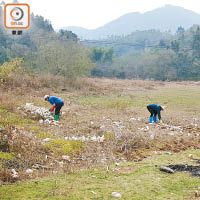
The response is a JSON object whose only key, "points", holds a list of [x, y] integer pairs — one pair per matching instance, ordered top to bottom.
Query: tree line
{"points": [[46, 51], [148, 54], [171, 57]]}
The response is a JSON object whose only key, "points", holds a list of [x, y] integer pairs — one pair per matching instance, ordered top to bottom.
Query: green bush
{"points": [[63, 147]]}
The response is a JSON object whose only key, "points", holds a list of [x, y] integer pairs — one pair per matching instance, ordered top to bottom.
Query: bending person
{"points": [[56, 103], [155, 110]]}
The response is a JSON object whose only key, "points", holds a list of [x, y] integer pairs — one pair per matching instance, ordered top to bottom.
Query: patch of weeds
{"points": [[9, 106], [2, 111], [6, 113], [10, 121], [26, 121], [34, 128], [40, 134], [43, 135], [109, 136], [63, 147], [6, 156]]}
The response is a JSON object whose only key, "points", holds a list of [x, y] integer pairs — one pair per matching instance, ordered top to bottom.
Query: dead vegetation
{"points": [[114, 109]]}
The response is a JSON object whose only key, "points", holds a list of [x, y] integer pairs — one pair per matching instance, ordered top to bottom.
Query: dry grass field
{"points": [[115, 110]]}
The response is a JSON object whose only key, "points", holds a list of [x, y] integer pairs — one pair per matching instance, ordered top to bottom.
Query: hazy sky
{"points": [[94, 13]]}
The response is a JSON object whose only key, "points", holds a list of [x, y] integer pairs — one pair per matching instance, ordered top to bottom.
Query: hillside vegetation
{"points": [[148, 54], [151, 55]]}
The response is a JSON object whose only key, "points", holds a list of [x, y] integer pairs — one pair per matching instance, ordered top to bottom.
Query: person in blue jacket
{"points": [[56, 103], [155, 109]]}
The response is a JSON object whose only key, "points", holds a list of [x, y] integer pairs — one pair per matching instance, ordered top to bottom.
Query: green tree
{"points": [[38, 22], [180, 33], [68, 35], [196, 42], [162, 44], [175, 45], [97, 54], [3, 55], [108, 55], [67, 59]]}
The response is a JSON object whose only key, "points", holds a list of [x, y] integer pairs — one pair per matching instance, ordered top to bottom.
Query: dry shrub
{"points": [[13, 75], [24, 80], [51, 81], [6, 101], [129, 142], [131, 145], [25, 148], [28, 152], [7, 177]]}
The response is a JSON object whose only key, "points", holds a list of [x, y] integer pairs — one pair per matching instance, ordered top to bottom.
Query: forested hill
{"points": [[163, 19], [45, 51], [149, 54], [152, 55]]}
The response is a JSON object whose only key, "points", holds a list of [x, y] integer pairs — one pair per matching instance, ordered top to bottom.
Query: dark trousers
{"points": [[58, 108], [152, 111]]}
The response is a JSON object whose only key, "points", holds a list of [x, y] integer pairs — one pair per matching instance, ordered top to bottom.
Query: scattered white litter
{"points": [[42, 112], [133, 119], [47, 121], [117, 123], [102, 126], [173, 128], [144, 129], [171, 133], [152, 136], [89, 138], [46, 139], [169, 153], [191, 156], [65, 157], [61, 164], [116, 164], [166, 169], [29, 171], [14, 173], [92, 176], [93, 192], [116, 194]]}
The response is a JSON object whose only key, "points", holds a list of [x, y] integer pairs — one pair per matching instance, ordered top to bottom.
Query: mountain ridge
{"points": [[164, 18]]}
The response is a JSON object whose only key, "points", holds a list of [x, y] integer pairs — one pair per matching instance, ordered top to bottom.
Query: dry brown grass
{"points": [[104, 86], [125, 141]]}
